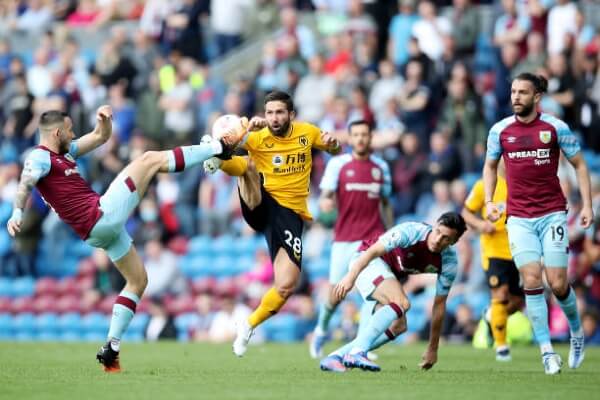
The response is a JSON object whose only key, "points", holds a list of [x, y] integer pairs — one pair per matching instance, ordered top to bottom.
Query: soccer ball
{"points": [[223, 124]]}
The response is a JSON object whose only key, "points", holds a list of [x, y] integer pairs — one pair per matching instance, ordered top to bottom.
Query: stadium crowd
{"points": [[430, 76]]}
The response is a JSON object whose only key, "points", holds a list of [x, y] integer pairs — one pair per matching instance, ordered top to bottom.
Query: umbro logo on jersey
{"points": [[511, 139], [269, 145], [350, 173]]}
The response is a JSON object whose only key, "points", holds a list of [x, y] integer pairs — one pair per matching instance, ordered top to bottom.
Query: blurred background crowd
{"points": [[431, 76]]}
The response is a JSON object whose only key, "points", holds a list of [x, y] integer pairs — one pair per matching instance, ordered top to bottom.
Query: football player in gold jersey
{"points": [[273, 186], [496, 258]]}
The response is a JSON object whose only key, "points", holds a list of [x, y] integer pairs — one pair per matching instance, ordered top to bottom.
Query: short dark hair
{"points": [[539, 83], [278, 95], [52, 117], [358, 122], [453, 220]]}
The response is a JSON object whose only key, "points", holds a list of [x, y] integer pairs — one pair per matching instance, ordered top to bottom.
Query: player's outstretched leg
{"points": [[132, 269], [286, 277]]}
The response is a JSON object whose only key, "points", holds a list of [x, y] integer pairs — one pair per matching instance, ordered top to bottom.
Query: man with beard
{"points": [[530, 144], [360, 184], [273, 187], [100, 220]]}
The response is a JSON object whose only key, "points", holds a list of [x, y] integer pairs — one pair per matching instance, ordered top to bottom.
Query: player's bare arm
{"points": [[100, 134], [333, 145], [490, 177], [26, 185], [327, 201], [387, 213], [586, 216], [476, 223], [347, 283], [437, 318]]}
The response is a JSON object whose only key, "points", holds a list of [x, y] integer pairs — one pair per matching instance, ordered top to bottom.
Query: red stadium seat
{"points": [[178, 245], [86, 268], [85, 283], [69, 285], [204, 285], [46, 286], [227, 287], [69, 303], [45, 304], [106, 304], [5, 305], [22, 305], [180, 305], [143, 306]]}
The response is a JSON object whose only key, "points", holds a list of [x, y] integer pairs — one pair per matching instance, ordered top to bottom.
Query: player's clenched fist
{"points": [[104, 113], [257, 123], [331, 142], [493, 212]]}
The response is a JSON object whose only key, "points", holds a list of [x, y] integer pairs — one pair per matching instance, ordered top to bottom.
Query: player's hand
{"points": [[104, 114], [257, 123], [236, 133], [329, 141], [212, 165], [327, 204], [493, 212], [586, 217], [14, 223], [487, 227], [343, 287], [429, 359]]}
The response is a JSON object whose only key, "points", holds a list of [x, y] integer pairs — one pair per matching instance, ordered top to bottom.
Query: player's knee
{"points": [[140, 281], [559, 287], [285, 290], [400, 305]]}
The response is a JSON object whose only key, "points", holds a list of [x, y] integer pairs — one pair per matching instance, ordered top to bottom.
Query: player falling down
{"points": [[530, 144], [359, 184], [273, 186], [100, 220], [376, 269]]}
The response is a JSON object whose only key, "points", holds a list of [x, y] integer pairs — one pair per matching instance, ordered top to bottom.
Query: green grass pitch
{"points": [[283, 371]]}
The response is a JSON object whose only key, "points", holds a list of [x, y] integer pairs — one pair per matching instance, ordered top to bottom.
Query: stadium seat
{"points": [[223, 244], [178, 245], [200, 245], [243, 246], [86, 268], [85, 283], [68, 285], [204, 285], [24, 286], [46, 286], [5, 287], [227, 287], [478, 302], [45, 303], [69, 303], [106, 304], [181, 304], [5, 305], [22, 305], [143, 306], [69, 322], [186, 322], [23, 323], [47, 323], [95, 323], [138, 323], [6, 326], [282, 328], [71, 336], [130, 336], [97, 337]]}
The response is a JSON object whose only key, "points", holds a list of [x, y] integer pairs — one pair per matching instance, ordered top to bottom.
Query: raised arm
{"points": [[99, 135]]}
